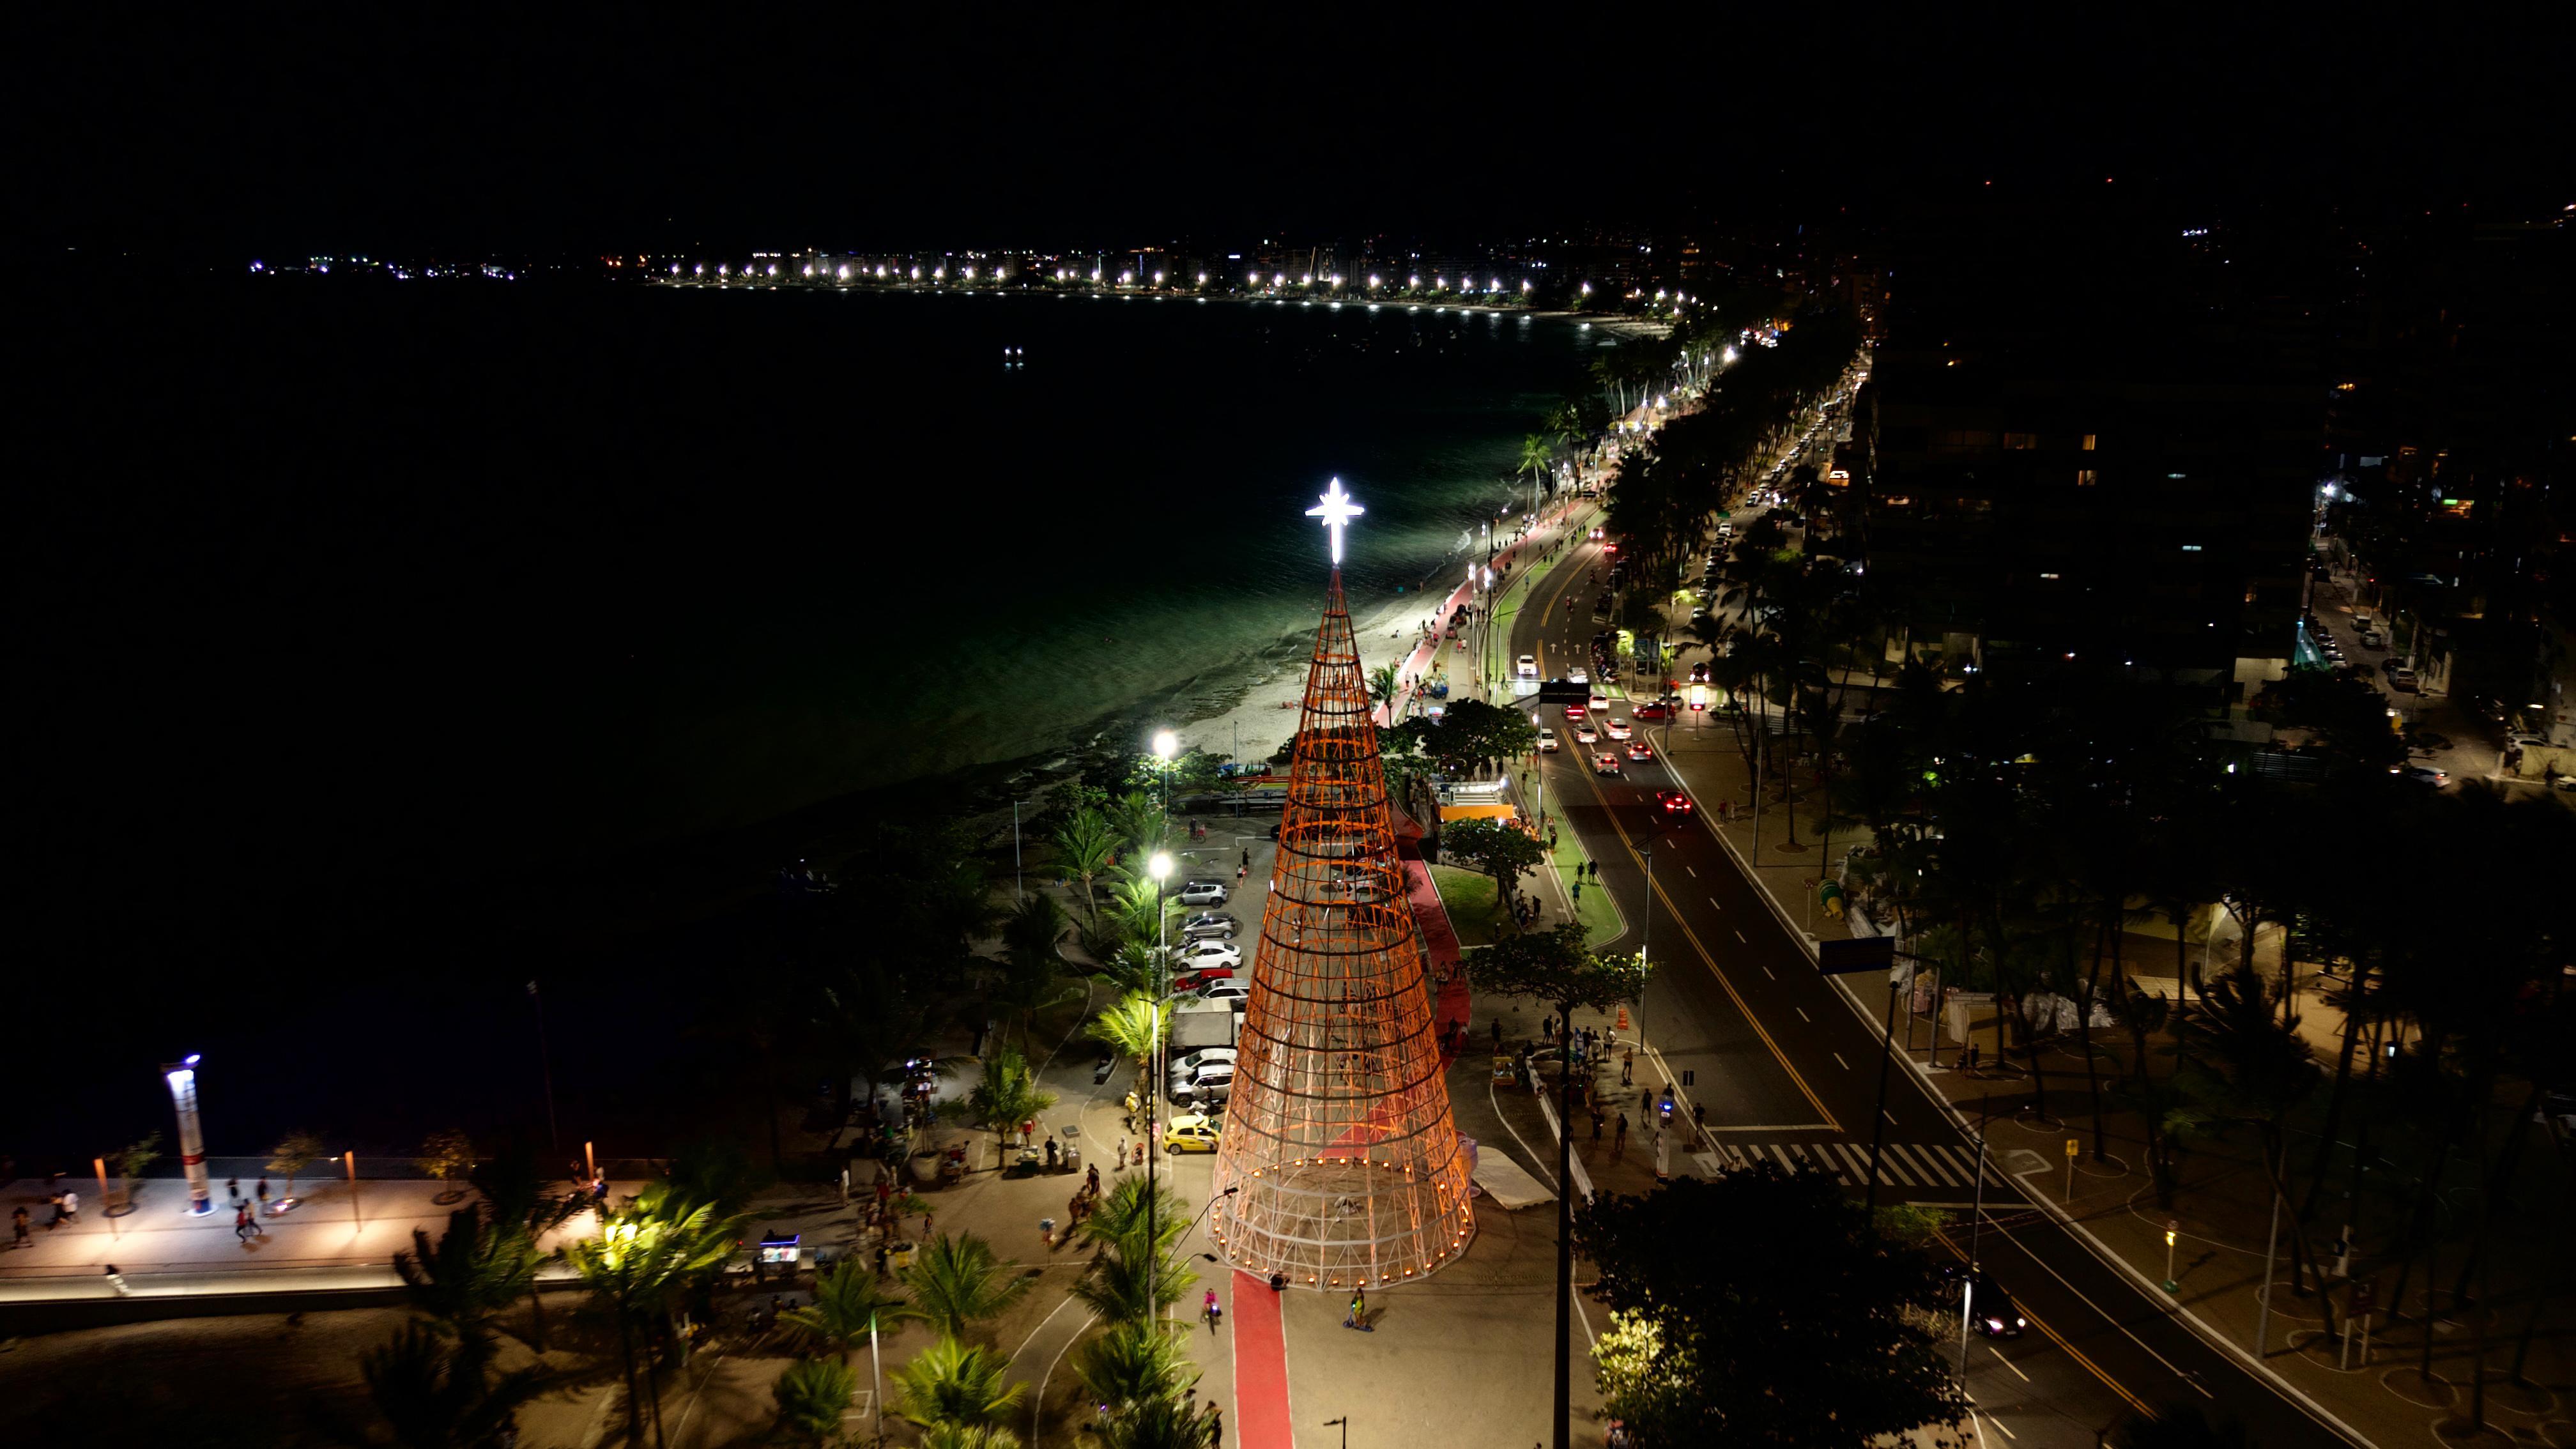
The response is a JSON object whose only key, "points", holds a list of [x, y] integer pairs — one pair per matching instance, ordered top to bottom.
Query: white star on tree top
{"points": [[1337, 512]]}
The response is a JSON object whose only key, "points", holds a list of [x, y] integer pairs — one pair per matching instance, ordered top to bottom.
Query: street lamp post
{"points": [[1160, 867], [182, 1077]]}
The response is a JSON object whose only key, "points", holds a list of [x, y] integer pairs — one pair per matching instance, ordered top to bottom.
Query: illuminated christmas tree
{"points": [[1338, 1134]]}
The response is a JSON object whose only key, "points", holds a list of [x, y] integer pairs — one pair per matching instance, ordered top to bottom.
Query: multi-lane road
{"points": [[1786, 1068]]}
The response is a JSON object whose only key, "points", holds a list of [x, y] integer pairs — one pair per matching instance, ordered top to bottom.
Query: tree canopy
{"points": [[1761, 1308]]}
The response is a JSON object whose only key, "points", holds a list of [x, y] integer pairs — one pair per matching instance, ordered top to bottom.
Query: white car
{"points": [[1529, 666], [1576, 675], [1618, 729], [1585, 734], [1547, 742], [1204, 893], [1201, 955], [1234, 993], [1189, 1065]]}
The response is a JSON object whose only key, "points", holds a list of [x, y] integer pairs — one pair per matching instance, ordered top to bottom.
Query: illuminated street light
{"points": [[1165, 744], [182, 1077]]}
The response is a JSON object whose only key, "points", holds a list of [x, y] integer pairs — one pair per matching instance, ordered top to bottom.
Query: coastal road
{"points": [[1787, 1070]]}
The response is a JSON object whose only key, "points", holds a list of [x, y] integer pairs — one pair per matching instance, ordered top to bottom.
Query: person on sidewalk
{"points": [[1628, 1067], [1619, 1139], [232, 1191], [66, 1208], [241, 1221], [18, 1230], [116, 1280], [1212, 1311], [1358, 1316], [1216, 1426]]}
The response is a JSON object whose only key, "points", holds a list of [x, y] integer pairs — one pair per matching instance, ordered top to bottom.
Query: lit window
{"points": [[2088, 442], [2086, 477], [2191, 548], [2048, 576]]}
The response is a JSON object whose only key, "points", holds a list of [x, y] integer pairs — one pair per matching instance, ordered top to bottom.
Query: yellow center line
{"points": [[1741, 1006], [2054, 1337]]}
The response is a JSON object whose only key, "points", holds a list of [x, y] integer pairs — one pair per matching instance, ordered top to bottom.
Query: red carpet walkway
{"points": [[1449, 1001], [1260, 1367]]}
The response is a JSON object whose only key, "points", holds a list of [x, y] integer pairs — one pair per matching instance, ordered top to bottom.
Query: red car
{"points": [[1655, 709], [1574, 711], [1673, 801], [1193, 980]]}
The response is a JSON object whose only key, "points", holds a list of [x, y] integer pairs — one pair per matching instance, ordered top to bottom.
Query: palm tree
{"points": [[1536, 453], [1382, 683], [1085, 845], [1137, 907], [1132, 969], [1031, 981], [1132, 1027], [1008, 1095], [516, 1202], [644, 1256], [474, 1271], [957, 1282], [1122, 1288], [848, 1306], [1135, 1362], [955, 1386], [813, 1397], [433, 1399], [1152, 1424]]}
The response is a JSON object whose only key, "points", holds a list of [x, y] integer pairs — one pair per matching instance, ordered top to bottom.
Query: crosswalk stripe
{"points": [[1926, 1164]]}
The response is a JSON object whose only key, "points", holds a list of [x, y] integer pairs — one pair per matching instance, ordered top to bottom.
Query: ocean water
{"points": [[437, 581], [374, 649]]}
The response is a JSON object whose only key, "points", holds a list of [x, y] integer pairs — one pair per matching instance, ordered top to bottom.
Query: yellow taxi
{"points": [[1192, 1132]]}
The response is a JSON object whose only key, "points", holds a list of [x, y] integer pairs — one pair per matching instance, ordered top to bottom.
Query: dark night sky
{"points": [[344, 132]]}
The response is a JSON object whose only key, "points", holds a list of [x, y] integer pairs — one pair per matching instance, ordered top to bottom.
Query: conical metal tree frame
{"points": [[1338, 1132]]}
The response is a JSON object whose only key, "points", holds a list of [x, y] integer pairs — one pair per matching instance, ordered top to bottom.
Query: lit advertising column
{"points": [[192, 1139]]}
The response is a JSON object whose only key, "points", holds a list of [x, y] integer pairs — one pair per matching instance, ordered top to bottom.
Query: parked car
{"points": [[2373, 639], [2400, 677], [1617, 729], [1605, 764], [2422, 775], [1673, 802], [1203, 893], [1209, 925], [1199, 955], [1201, 978], [1231, 989], [1189, 1063], [1211, 1084], [1192, 1132]]}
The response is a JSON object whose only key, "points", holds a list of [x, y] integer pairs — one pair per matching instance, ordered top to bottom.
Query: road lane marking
{"points": [[1593, 784], [1686, 866], [1713, 905], [1739, 935], [1767, 971], [1803, 1016], [1838, 1058], [2007, 1363], [2191, 1379], [1998, 1423]]}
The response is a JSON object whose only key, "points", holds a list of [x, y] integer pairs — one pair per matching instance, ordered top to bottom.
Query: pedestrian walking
{"points": [[1247, 857], [1578, 890], [1498, 1033], [1628, 1067], [1699, 1117], [1596, 1123], [1619, 1139], [1119, 1163], [1091, 1179], [232, 1191], [263, 1194], [67, 1207], [241, 1221], [925, 1225], [1046, 1231], [18, 1237], [116, 1280], [1212, 1311], [1358, 1317], [1216, 1426]]}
